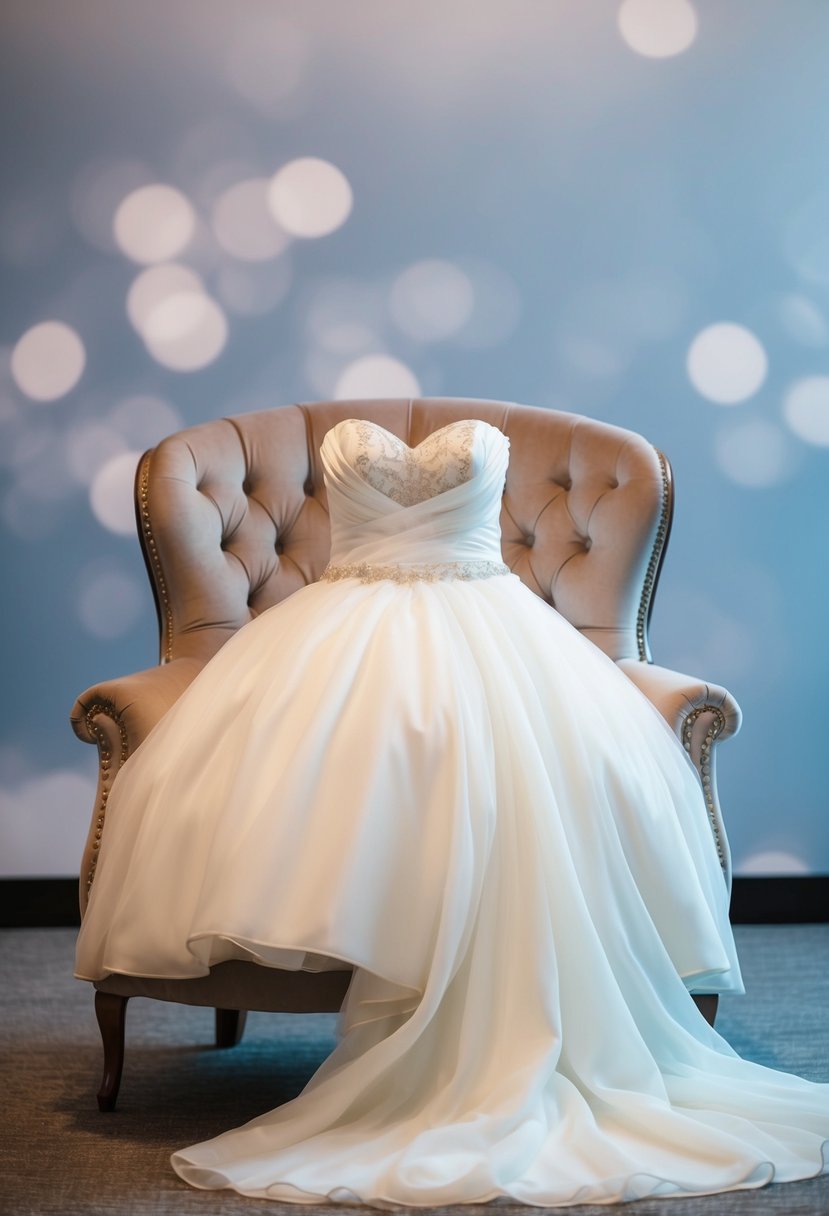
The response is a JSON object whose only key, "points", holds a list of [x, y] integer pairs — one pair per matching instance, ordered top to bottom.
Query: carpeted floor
{"points": [[58, 1154]]}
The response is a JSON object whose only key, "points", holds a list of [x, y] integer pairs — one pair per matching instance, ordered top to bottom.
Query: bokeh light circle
{"points": [[658, 29], [267, 62], [97, 190], [310, 197], [154, 223], [243, 223], [806, 237], [156, 284], [253, 290], [431, 300], [496, 306], [346, 317], [803, 321], [186, 331], [347, 338], [48, 361], [727, 363], [376, 376], [806, 409], [143, 420], [88, 446], [754, 454], [111, 494], [110, 603], [42, 819], [772, 861]]}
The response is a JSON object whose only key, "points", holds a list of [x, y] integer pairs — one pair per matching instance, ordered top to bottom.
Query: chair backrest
{"points": [[232, 515]]}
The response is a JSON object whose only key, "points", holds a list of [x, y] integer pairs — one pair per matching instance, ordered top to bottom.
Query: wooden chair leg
{"points": [[707, 1004], [111, 1012], [230, 1025]]}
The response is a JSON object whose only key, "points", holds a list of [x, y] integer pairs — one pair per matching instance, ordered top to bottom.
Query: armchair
{"points": [[232, 518]]}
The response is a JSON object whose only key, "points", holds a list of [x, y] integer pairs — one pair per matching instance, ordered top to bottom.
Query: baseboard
{"points": [[801, 899], [787, 900], [38, 903]]}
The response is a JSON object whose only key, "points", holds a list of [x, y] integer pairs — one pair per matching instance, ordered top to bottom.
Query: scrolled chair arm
{"points": [[117, 715], [701, 715]]}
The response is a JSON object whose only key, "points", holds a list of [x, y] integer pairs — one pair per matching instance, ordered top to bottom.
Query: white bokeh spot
{"points": [[658, 29], [267, 63], [97, 190], [310, 197], [154, 223], [244, 225], [806, 238], [156, 284], [253, 290], [431, 300], [496, 306], [346, 317], [803, 321], [186, 331], [347, 338], [598, 358], [48, 361], [727, 363], [376, 376], [806, 409], [143, 420], [88, 446], [754, 454], [111, 494], [110, 602], [43, 821], [771, 861]]}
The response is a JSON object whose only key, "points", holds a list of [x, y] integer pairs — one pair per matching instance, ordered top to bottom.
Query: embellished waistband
{"points": [[423, 572]]}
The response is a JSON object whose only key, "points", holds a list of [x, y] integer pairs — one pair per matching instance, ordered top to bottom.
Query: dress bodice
{"points": [[410, 475], [435, 503]]}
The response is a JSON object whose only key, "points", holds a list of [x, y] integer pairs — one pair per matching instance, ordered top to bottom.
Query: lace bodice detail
{"points": [[411, 475], [425, 513]]}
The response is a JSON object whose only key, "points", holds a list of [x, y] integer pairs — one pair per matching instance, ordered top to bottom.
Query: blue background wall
{"points": [[553, 201]]}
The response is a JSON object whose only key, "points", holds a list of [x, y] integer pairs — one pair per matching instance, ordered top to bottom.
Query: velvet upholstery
{"points": [[232, 518]]}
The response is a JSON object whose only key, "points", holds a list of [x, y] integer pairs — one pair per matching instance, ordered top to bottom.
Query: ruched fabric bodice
{"points": [[459, 524]]}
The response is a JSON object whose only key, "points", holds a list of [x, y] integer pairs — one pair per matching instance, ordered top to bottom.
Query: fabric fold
{"points": [[447, 787]]}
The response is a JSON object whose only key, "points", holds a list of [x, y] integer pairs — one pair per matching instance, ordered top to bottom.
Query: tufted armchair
{"points": [[232, 519]]}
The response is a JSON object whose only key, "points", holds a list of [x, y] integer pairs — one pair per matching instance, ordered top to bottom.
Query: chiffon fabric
{"points": [[417, 768]]}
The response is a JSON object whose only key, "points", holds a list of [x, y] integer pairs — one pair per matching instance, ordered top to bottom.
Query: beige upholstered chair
{"points": [[232, 518]]}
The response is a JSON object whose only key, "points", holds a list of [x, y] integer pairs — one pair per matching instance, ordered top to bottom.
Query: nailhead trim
{"points": [[155, 561], [653, 564], [108, 709], [715, 729]]}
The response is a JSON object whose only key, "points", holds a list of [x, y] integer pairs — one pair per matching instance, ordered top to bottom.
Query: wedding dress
{"points": [[418, 768]]}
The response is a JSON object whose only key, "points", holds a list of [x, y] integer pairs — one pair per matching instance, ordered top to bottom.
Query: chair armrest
{"points": [[677, 697], [135, 702], [118, 715], [701, 715]]}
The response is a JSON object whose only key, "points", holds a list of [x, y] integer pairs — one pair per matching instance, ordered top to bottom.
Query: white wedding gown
{"points": [[418, 767]]}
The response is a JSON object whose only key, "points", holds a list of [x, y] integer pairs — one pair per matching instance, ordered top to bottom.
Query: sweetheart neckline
{"points": [[426, 438], [405, 475]]}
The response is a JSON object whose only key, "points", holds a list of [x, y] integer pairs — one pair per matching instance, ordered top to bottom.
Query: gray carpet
{"points": [[59, 1155]]}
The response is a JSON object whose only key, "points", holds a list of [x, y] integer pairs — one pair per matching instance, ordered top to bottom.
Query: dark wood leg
{"points": [[707, 1004], [111, 1012], [230, 1025]]}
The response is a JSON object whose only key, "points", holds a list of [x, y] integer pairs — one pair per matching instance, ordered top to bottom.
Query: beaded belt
{"points": [[425, 572]]}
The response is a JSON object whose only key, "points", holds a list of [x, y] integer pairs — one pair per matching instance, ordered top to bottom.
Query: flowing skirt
{"points": [[446, 787]]}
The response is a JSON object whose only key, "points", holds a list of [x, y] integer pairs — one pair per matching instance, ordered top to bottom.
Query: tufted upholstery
{"points": [[234, 515], [233, 518]]}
